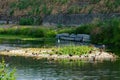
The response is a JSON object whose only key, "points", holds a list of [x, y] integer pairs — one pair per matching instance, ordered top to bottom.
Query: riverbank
{"points": [[41, 53]]}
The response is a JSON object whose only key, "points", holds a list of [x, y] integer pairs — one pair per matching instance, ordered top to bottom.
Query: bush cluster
{"points": [[28, 31], [103, 32]]}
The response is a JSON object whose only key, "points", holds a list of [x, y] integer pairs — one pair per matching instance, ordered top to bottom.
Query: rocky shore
{"points": [[46, 53]]}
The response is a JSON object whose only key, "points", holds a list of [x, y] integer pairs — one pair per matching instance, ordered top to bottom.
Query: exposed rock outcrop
{"points": [[73, 37]]}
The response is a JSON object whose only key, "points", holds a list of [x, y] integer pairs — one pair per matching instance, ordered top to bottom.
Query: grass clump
{"points": [[74, 50], [4, 74]]}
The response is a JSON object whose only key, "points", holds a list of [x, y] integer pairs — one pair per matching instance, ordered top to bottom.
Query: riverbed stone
{"points": [[63, 56], [74, 57]]}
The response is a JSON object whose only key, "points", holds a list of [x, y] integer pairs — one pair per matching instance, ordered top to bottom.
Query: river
{"points": [[32, 69]]}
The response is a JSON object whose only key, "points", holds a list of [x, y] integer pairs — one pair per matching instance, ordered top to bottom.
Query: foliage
{"points": [[46, 7], [74, 9], [30, 20], [26, 21], [67, 30], [28, 31], [36, 32], [103, 32], [107, 32], [74, 50], [4, 74]]}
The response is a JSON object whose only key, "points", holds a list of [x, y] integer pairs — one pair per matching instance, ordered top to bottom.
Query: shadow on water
{"points": [[28, 43], [37, 43], [114, 49], [32, 69]]}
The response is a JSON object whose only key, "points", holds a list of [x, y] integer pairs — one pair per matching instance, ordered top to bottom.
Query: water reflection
{"points": [[64, 42], [28, 43], [39, 43], [31, 69]]}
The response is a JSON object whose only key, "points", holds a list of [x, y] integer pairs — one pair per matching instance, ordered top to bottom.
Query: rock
{"points": [[62, 35], [79, 35], [73, 36], [67, 38], [86, 38], [78, 39], [17, 51], [64, 57], [75, 57], [83, 57]]}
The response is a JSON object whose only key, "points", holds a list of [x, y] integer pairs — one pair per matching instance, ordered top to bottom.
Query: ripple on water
{"points": [[28, 69]]}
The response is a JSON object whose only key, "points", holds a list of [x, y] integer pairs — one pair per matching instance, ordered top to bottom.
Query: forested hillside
{"points": [[46, 7]]}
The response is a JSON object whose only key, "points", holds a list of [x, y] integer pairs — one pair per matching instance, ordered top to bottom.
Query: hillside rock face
{"points": [[75, 19]]}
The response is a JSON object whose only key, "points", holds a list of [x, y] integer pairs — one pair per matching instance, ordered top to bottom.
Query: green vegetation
{"points": [[46, 7], [26, 21], [30, 21], [28, 32], [33, 32], [103, 32], [73, 50], [5, 74]]}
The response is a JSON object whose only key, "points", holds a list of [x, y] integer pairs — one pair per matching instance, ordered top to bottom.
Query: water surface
{"points": [[31, 69]]}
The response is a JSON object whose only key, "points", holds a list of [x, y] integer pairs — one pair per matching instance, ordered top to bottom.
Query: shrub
{"points": [[103, 32], [4, 74]]}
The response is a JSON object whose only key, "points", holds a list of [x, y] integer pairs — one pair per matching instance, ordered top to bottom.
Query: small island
{"points": [[72, 52]]}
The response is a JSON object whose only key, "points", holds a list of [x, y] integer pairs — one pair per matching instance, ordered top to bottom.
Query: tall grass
{"points": [[73, 50]]}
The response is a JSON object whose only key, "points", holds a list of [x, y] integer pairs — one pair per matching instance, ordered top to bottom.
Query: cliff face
{"points": [[47, 7], [76, 19]]}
